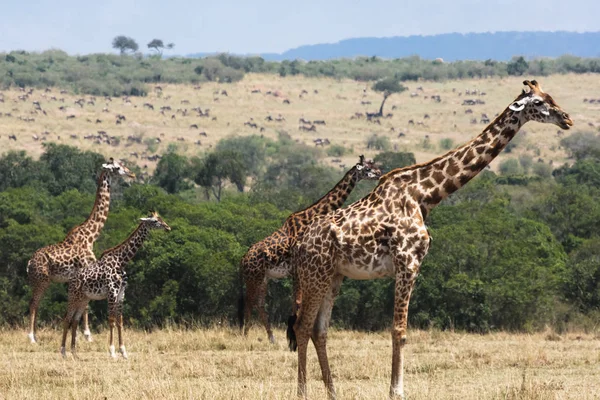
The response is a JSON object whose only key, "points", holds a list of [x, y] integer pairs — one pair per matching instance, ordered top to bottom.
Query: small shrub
{"points": [[378, 142], [446, 143], [426, 144], [337, 151], [526, 161], [510, 167], [542, 170]]}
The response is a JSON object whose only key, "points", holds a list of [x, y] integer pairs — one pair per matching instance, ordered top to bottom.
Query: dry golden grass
{"points": [[335, 102], [220, 364]]}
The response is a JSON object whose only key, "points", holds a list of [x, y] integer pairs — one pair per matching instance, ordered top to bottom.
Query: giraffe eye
{"points": [[537, 102]]}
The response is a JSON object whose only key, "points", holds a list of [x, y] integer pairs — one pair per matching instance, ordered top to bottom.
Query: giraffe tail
{"points": [[291, 333]]}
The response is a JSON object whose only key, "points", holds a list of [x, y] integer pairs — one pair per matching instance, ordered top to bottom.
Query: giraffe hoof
{"points": [[88, 336], [31, 337], [272, 339], [63, 352], [112, 352], [123, 352]]}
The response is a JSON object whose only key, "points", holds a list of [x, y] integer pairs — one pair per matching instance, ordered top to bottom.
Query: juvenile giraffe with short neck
{"points": [[384, 233], [267, 259], [56, 262], [106, 279]]}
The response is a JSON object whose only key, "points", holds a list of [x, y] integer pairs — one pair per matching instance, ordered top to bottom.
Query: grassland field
{"points": [[332, 101], [219, 363]]}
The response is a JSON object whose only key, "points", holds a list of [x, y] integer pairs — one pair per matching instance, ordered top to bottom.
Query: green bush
{"points": [[377, 142], [446, 144], [337, 150], [510, 166]]}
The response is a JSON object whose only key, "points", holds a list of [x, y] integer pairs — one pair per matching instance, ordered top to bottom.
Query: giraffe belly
{"points": [[379, 268], [279, 271], [60, 278], [96, 295]]}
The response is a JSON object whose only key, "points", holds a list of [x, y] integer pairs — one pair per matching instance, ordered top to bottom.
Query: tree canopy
{"points": [[124, 44]]}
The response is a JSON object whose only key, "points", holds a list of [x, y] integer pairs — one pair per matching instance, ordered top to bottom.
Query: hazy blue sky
{"points": [[258, 26]]}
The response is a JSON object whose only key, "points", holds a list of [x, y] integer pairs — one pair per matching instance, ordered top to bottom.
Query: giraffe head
{"points": [[536, 105], [116, 167], [367, 169], [154, 221]]}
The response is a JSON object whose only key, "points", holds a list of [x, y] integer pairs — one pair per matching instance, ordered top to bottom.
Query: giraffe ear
{"points": [[518, 105], [359, 167], [145, 219]]}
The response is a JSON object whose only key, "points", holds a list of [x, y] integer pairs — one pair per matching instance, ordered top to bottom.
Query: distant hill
{"points": [[499, 46]]}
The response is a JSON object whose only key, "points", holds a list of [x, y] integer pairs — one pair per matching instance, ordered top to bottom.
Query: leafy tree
{"points": [[124, 44], [158, 46], [517, 66], [387, 86], [582, 144], [252, 149], [70, 168], [218, 168], [583, 172], [171, 173], [562, 209], [504, 272], [582, 286]]}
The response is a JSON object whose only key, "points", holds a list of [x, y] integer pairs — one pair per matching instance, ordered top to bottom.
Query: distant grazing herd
{"points": [[102, 136]]}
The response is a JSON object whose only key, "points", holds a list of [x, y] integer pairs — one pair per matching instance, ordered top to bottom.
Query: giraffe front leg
{"points": [[406, 274], [74, 324], [66, 325], [86, 327], [120, 331], [111, 345]]}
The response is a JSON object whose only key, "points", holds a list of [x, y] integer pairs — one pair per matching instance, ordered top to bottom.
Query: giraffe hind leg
{"points": [[252, 288], [264, 317]]}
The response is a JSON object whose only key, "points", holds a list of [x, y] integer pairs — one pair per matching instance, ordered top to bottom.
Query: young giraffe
{"points": [[384, 234], [268, 258], [56, 262], [106, 279]]}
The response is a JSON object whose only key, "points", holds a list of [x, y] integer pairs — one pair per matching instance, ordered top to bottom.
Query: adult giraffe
{"points": [[384, 233], [268, 259], [56, 262]]}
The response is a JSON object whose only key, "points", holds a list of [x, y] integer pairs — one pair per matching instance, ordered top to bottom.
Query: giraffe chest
{"points": [[361, 269]]}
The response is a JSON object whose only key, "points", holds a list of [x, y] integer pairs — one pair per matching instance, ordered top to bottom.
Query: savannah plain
{"points": [[147, 132], [219, 363]]}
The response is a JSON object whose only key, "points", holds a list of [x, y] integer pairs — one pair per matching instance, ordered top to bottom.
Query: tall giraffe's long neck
{"points": [[432, 182], [333, 200], [92, 226], [125, 251]]}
